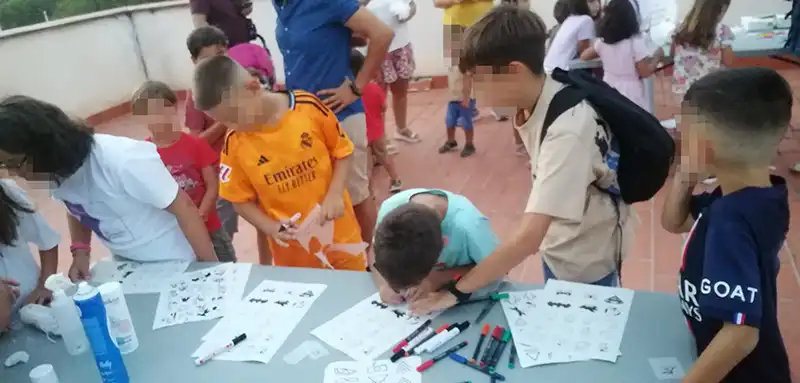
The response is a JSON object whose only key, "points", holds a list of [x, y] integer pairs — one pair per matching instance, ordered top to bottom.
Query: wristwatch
{"points": [[355, 89], [451, 288]]}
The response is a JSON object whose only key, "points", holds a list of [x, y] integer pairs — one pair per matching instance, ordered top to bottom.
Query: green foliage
{"points": [[18, 13]]}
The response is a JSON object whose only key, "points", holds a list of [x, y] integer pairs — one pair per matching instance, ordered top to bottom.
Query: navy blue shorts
{"points": [[457, 115]]}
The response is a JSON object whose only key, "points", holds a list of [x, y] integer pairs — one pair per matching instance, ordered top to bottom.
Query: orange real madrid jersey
{"points": [[287, 168]]}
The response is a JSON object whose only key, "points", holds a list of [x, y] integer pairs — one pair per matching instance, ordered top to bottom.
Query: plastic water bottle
{"points": [[69, 323], [120, 323], [95, 324]]}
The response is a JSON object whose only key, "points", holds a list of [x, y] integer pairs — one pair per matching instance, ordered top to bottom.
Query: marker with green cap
{"points": [[492, 298], [499, 351], [512, 356]]}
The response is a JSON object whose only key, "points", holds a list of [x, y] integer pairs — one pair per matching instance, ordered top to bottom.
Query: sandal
{"points": [[407, 135]]}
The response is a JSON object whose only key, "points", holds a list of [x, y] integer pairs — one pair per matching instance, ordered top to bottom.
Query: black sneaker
{"points": [[448, 146], [467, 151]]}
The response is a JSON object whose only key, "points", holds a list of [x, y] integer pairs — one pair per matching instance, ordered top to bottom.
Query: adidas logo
{"points": [[262, 160]]}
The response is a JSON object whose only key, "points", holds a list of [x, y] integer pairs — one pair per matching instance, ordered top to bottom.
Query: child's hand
{"points": [[465, 103], [332, 208], [388, 295]]}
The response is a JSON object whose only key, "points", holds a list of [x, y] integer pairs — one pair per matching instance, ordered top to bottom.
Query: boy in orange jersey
{"points": [[284, 166]]}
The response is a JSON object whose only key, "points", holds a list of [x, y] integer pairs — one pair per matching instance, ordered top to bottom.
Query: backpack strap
{"points": [[566, 99]]}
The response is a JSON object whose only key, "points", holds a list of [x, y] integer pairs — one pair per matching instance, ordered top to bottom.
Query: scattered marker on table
{"points": [[491, 298], [411, 336], [481, 339], [494, 341], [417, 348], [499, 350], [512, 356], [460, 359], [203, 360], [427, 364]]}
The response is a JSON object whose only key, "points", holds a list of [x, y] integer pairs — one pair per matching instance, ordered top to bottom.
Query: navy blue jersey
{"points": [[730, 270]]}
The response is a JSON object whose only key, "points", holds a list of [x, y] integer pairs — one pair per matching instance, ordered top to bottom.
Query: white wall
{"points": [[90, 63]]}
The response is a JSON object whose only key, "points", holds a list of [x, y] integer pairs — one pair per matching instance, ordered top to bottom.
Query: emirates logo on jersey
{"points": [[224, 173]]}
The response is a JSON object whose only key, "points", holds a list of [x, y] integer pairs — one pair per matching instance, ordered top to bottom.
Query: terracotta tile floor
{"points": [[497, 181]]}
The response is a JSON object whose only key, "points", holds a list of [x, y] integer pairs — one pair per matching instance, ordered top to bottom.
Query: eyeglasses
{"points": [[13, 163]]}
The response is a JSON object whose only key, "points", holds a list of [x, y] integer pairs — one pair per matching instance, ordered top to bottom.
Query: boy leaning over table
{"points": [[731, 123], [423, 239]]}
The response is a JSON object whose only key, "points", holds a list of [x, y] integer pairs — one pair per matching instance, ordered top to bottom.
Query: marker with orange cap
{"points": [[497, 333], [481, 339]]}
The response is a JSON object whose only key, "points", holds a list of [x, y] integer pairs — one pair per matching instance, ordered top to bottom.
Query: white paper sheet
{"points": [[137, 277], [201, 295], [268, 315], [567, 322], [368, 329], [379, 371]]}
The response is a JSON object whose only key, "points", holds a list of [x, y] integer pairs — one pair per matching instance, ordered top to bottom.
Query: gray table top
{"points": [[656, 328]]}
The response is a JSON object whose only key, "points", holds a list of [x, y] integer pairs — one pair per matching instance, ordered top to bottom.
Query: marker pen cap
{"points": [[425, 366], [43, 373]]}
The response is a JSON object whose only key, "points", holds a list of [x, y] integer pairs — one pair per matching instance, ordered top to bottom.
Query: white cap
{"points": [[43, 373]]}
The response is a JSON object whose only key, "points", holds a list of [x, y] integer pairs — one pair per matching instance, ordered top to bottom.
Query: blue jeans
{"points": [[458, 115], [610, 280]]}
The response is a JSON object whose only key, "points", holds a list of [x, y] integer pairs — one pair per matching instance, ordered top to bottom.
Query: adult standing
{"points": [[228, 15], [314, 37], [398, 66]]}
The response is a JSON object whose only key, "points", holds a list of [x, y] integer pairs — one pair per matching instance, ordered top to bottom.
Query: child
{"points": [[561, 11], [573, 37], [701, 45], [624, 52], [256, 60], [398, 66], [375, 108], [461, 110], [732, 122], [286, 155], [189, 159], [113, 186], [569, 221], [421, 230], [21, 280]]}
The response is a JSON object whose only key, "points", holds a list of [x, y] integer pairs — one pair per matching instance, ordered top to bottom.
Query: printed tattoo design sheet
{"points": [[137, 277], [201, 295], [267, 315], [568, 322], [370, 328], [379, 371]]}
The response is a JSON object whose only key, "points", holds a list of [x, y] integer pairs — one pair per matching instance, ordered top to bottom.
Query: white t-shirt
{"points": [[383, 10], [564, 47], [121, 193], [16, 261]]}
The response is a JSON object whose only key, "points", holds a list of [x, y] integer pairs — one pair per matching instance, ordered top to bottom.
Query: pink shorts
{"points": [[399, 64]]}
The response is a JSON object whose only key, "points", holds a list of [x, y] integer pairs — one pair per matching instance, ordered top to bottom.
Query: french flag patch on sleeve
{"points": [[738, 318]]}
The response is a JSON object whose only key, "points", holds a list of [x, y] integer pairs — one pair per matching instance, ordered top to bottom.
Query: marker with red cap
{"points": [[497, 333], [411, 336], [412, 348], [477, 352], [427, 364]]}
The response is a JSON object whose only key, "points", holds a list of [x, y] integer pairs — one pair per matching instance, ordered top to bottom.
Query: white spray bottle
{"points": [[66, 314]]}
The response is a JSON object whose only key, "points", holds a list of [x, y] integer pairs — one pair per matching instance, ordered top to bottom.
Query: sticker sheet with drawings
{"points": [[137, 277], [201, 295], [268, 315], [572, 322], [370, 328], [379, 371]]}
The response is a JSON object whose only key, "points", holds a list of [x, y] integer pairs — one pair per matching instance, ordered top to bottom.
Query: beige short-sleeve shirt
{"points": [[584, 240]]}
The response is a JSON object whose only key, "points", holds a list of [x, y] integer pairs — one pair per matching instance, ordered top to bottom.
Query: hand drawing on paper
{"points": [[268, 315], [368, 329], [379, 371]]}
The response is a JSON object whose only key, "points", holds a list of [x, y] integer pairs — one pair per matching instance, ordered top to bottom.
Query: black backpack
{"points": [[645, 149]]}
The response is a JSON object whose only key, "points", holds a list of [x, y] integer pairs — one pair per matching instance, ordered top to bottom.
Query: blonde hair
{"points": [[699, 28], [152, 90]]}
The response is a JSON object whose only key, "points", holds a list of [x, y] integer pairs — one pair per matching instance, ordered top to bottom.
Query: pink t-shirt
{"points": [[619, 67]]}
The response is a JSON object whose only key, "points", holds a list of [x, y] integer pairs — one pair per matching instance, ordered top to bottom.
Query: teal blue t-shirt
{"points": [[470, 237]]}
